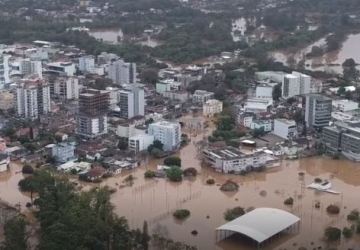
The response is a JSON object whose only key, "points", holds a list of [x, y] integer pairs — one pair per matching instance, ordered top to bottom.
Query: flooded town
{"points": [[179, 125]]}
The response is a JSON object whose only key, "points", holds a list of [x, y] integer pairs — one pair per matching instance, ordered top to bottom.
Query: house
{"points": [[4, 162], [93, 175]]}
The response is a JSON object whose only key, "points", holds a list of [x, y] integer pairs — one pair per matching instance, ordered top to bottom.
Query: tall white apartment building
{"points": [[87, 63], [28, 67], [4, 70], [121, 72], [304, 83], [296, 84], [67, 88], [33, 98], [132, 102], [318, 110], [285, 129], [168, 133]]}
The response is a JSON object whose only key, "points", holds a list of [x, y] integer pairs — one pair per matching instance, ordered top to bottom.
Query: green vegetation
{"points": [[277, 92], [226, 129], [156, 149], [172, 161], [27, 169], [190, 172], [149, 174], [174, 174], [210, 181], [229, 186], [289, 201], [333, 209], [181, 214], [232, 214], [353, 215], [347, 232], [332, 233], [15, 234], [162, 243]]}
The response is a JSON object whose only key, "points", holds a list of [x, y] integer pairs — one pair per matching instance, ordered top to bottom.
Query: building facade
{"points": [[87, 63], [121, 72], [67, 88], [202, 96], [33, 98], [132, 102], [212, 107], [318, 110], [285, 129], [168, 133], [140, 142], [63, 152]]}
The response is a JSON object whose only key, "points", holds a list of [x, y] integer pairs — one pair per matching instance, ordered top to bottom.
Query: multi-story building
{"points": [[87, 63], [28, 67], [62, 68], [4, 70], [121, 72], [304, 83], [296, 84], [67, 88], [264, 91], [201, 96], [33, 98], [7, 100], [132, 102], [345, 105], [212, 107], [317, 111], [92, 116], [264, 125], [284, 128], [168, 133], [343, 137], [140, 143], [63, 151], [232, 160]]}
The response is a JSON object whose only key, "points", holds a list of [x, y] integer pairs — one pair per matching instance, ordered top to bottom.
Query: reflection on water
{"points": [[112, 36], [155, 200]]}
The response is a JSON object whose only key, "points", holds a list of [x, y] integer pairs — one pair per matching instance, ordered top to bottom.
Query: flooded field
{"points": [[112, 36], [330, 61], [155, 200]]}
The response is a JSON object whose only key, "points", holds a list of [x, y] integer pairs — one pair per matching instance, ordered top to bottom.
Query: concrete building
{"points": [[87, 64], [29, 67], [62, 68], [4, 70], [121, 72], [275, 76], [304, 83], [167, 85], [290, 86], [67, 88], [264, 91], [202, 96], [33, 98], [7, 100], [132, 102], [257, 105], [345, 105], [212, 107], [317, 111], [92, 116], [265, 125], [284, 128], [168, 133], [344, 138], [140, 143], [63, 152], [232, 160], [4, 162]]}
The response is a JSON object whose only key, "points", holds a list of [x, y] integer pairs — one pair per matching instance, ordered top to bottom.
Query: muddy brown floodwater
{"points": [[156, 200]]}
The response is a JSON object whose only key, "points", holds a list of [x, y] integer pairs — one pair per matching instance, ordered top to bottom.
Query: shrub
{"points": [[172, 161], [27, 169], [190, 172], [149, 174], [174, 174], [317, 180], [210, 181], [229, 186], [289, 201], [333, 209], [181, 214], [232, 214], [353, 216], [347, 232], [332, 233]]}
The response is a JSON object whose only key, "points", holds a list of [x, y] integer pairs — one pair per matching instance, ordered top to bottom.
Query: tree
{"points": [[149, 75], [277, 92], [123, 145], [156, 145], [172, 161], [27, 169], [174, 174], [181, 214], [232, 214], [347, 232], [332, 233], [15, 235], [145, 236]]}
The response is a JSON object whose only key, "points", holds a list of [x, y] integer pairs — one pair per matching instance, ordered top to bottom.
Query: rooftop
{"points": [[261, 223]]}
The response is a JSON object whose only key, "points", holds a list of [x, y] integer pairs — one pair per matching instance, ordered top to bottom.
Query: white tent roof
{"points": [[261, 224]]}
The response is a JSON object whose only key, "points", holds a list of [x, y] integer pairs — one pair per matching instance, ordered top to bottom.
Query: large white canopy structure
{"points": [[260, 224]]}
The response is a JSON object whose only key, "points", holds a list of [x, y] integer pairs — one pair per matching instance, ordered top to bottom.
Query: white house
{"points": [[212, 107], [285, 128], [168, 133]]}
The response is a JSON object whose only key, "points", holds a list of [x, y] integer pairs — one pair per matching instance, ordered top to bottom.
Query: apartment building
{"points": [[121, 72], [66, 88], [202, 96], [132, 102], [212, 107], [318, 110], [285, 128], [169, 133], [140, 143], [63, 151]]}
